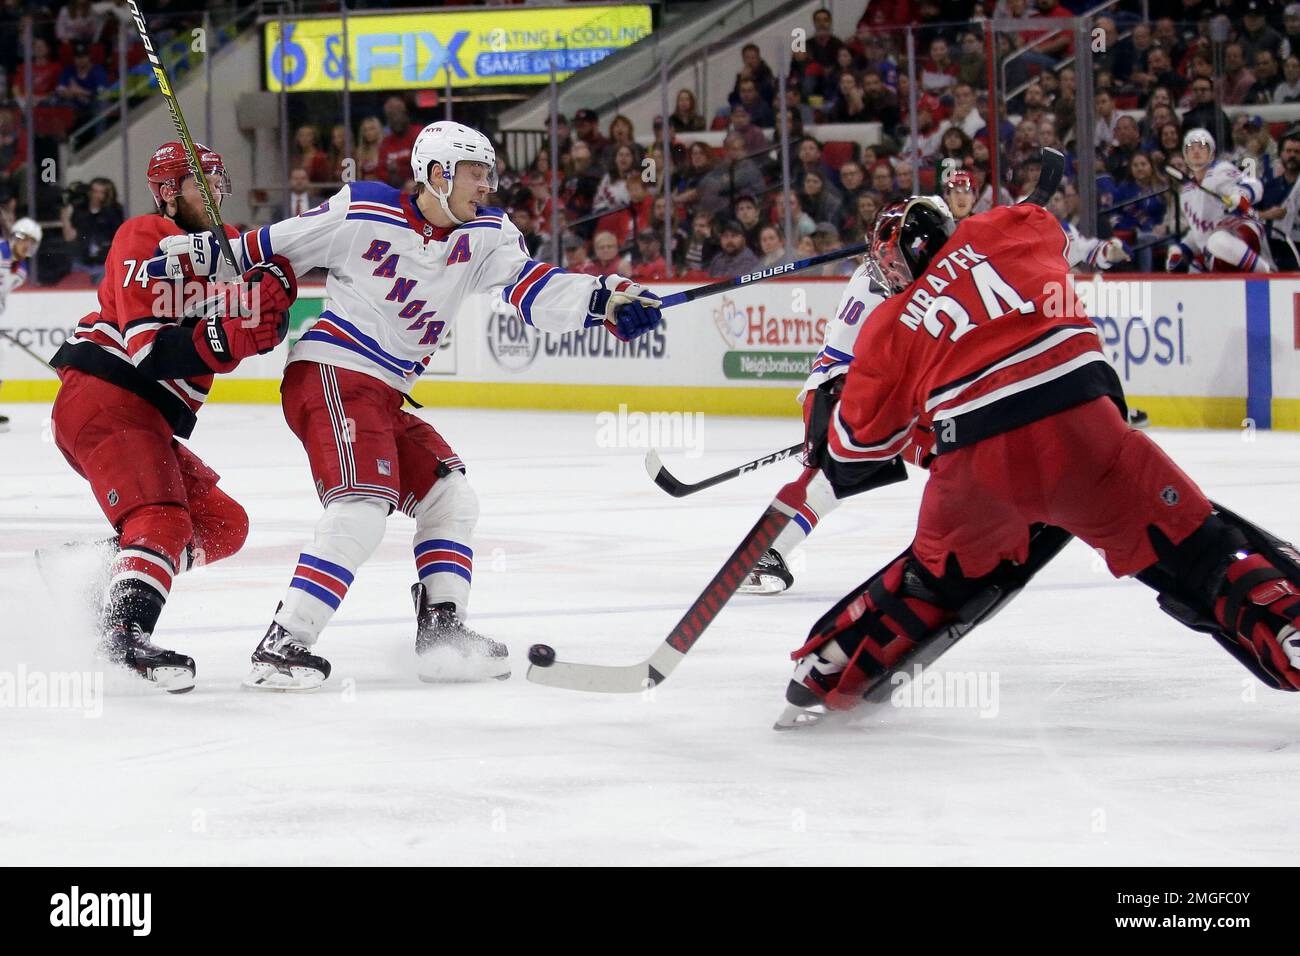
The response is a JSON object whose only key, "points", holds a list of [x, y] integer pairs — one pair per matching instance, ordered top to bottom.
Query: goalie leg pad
{"points": [[1238, 583], [872, 629]]}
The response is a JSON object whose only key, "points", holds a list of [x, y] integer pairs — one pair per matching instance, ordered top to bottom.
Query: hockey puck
{"points": [[543, 655]]}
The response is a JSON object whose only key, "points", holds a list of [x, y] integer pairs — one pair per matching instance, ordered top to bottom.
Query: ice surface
{"points": [[1119, 736]]}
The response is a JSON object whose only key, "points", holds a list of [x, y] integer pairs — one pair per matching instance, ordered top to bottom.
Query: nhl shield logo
{"points": [[1169, 495], [113, 498]]}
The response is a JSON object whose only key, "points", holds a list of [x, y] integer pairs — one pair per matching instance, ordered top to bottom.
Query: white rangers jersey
{"points": [[1202, 213], [12, 273], [396, 280], [860, 297]]}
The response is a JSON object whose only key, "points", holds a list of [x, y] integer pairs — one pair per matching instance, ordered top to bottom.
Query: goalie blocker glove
{"points": [[251, 319], [846, 478]]}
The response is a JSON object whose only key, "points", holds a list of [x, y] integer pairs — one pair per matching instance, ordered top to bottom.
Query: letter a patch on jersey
{"points": [[460, 251]]}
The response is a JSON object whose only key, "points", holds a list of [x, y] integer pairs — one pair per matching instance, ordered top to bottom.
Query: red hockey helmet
{"points": [[169, 167], [960, 180], [907, 236]]}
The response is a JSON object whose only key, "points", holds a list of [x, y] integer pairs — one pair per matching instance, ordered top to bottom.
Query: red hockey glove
{"points": [[251, 319]]}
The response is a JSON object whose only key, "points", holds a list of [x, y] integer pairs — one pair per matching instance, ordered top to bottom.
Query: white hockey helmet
{"points": [[1199, 135], [447, 143], [26, 228]]}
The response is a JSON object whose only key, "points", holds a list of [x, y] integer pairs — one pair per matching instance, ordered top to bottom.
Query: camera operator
{"points": [[91, 216]]}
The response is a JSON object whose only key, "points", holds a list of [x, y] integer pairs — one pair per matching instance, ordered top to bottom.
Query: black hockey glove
{"points": [[846, 478]]}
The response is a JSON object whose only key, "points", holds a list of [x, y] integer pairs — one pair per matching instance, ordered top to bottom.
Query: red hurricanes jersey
{"points": [[133, 308], [989, 338]]}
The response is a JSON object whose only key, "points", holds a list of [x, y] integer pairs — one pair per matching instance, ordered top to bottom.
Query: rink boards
{"points": [[1194, 352]]}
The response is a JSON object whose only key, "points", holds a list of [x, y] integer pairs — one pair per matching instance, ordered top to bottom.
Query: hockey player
{"points": [[959, 193], [1223, 233], [24, 239], [1086, 251], [399, 264], [865, 290], [968, 370], [134, 375]]}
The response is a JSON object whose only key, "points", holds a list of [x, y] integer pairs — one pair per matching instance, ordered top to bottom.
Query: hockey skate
{"points": [[1138, 418], [770, 575], [130, 647], [449, 652], [282, 662]]}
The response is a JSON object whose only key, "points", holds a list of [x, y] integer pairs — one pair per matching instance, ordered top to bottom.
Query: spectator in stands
{"points": [[78, 22], [1290, 31], [1255, 34], [823, 45], [971, 68], [756, 70], [938, 72], [1159, 72], [45, 75], [1266, 78], [830, 80], [81, 83], [1231, 88], [1288, 91], [881, 103], [850, 105], [759, 110], [1159, 112], [1206, 113], [801, 114], [964, 116], [686, 117], [1107, 117], [742, 124], [587, 130], [622, 133], [564, 137], [1128, 143], [1169, 143], [955, 145], [395, 147], [13, 151], [337, 152], [366, 153], [308, 155], [810, 160], [734, 177], [853, 178], [882, 181], [686, 182], [578, 191], [612, 191], [301, 196], [819, 199], [1281, 203], [866, 208], [748, 215], [524, 221], [1142, 221], [89, 223], [625, 223], [801, 223], [826, 239], [771, 243], [700, 247], [805, 248], [575, 255], [736, 258], [608, 259], [648, 263]]}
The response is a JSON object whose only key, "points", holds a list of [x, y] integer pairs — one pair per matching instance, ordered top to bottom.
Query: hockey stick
{"points": [[183, 131], [1052, 168], [1177, 176], [713, 288], [17, 344], [680, 489], [654, 670]]}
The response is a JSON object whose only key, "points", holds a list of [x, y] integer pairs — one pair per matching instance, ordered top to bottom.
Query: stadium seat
{"points": [[837, 152]]}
